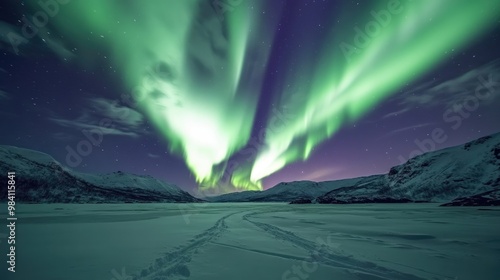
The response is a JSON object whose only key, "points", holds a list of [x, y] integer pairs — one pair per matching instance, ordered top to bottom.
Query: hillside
{"points": [[439, 176], [41, 179], [287, 191]]}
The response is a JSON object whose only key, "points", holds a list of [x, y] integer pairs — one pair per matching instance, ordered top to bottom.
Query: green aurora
{"points": [[196, 70]]}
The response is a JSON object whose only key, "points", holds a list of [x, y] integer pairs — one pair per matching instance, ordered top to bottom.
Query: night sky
{"points": [[241, 95]]}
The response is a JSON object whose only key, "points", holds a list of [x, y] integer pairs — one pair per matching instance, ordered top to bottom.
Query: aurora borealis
{"points": [[186, 71], [343, 89], [237, 91]]}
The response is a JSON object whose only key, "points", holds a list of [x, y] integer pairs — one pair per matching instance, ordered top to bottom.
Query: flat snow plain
{"points": [[253, 241]]}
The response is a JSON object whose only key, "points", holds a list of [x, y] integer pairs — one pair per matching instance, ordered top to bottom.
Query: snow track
{"points": [[257, 241], [326, 256], [175, 264]]}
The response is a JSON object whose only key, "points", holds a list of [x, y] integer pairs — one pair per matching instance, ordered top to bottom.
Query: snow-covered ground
{"points": [[254, 241]]}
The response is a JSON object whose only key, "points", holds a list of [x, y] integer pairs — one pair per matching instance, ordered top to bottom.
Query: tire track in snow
{"points": [[279, 255], [327, 257], [174, 264]]}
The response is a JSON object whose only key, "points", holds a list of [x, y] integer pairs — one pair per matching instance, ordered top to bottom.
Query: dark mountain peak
{"points": [[42, 179]]}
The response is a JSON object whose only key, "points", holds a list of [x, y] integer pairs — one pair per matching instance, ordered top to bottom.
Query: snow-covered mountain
{"points": [[439, 176], [41, 179], [372, 190], [288, 191], [489, 198]]}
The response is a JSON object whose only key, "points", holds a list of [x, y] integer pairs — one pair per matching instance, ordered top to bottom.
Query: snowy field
{"points": [[253, 241]]}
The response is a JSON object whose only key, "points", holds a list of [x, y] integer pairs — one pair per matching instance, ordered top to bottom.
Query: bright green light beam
{"points": [[415, 39], [196, 68]]}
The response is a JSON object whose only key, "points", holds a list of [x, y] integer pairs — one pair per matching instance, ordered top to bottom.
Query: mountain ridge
{"points": [[461, 172], [438, 176], [41, 179]]}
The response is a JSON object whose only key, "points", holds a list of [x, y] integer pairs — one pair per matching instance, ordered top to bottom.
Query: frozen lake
{"points": [[250, 241]]}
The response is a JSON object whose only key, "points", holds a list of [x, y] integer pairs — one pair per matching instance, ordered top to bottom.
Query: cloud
{"points": [[7, 33], [12, 40], [56, 46], [452, 91], [3, 95], [396, 113], [121, 114], [124, 121], [411, 127], [105, 130], [62, 136], [153, 155], [321, 173]]}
